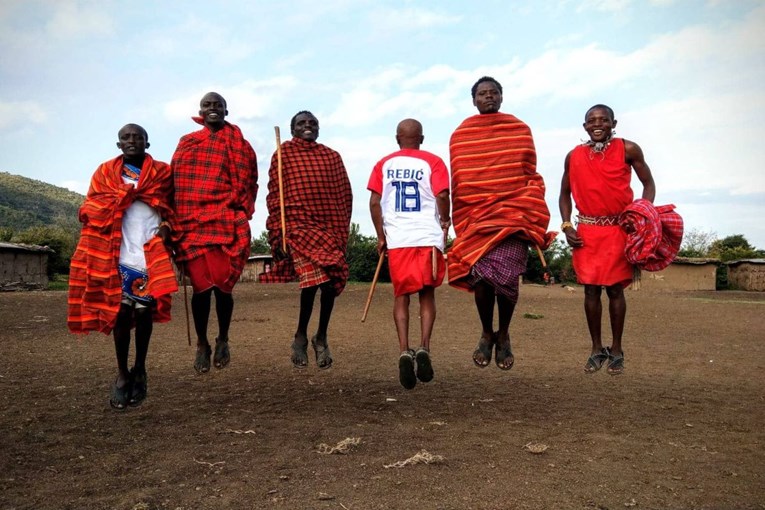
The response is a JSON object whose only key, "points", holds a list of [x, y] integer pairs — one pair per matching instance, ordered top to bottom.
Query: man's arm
{"points": [[634, 157], [566, 207], [444, 210], [377, 220], [273, 223]]}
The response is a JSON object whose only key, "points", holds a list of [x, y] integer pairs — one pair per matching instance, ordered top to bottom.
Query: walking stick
{"points": [[281, 187], [542, 259], [434, 262], [372, 288], [186, 303]]}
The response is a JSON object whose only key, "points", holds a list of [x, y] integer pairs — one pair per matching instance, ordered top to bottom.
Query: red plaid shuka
{"points": [[216, 176], [496, 190], [317, 206], [654, 234], [95, 284]]}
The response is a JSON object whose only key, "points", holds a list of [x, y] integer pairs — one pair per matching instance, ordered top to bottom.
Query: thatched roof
{"points": [[24, 247], [697, 261], [734, 263]]}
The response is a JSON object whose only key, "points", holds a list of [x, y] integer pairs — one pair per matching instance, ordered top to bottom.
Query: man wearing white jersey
{"points": [[410, 211]]}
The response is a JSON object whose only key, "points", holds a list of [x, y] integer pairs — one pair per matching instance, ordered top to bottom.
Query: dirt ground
{"points": [[681, 429]]}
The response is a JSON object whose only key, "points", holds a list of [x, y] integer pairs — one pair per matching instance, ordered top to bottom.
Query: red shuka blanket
{"points": [[215, 176], [600, 185], [496, 190], [317, 206], [654, 234], [95, 285]]}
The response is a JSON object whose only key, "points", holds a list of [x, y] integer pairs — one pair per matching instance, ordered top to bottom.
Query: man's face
{"points": [[488, 98], [212, 109], [598, 124], [306, 127], [132, 141]]}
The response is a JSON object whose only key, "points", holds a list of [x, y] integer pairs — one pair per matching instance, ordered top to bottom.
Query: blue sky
{"points": [[685, 79]]}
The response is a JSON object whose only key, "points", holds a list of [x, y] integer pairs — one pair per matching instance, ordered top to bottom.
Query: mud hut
{"points": [[256, 264], [23, 266], [684, 273], [748, 274]]}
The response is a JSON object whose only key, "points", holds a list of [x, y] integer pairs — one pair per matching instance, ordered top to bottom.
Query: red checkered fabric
{"points": [[215, 176], [317, 206], [654, 234], [95, 284]]}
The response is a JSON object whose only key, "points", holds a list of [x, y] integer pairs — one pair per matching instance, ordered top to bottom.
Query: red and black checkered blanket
{"points": [[215, 176], [317, 204]]}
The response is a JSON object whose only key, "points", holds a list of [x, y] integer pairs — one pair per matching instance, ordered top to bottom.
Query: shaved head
{"points": [[409, 134]]}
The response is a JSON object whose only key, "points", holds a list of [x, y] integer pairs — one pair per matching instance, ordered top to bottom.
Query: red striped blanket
{"points": [[496, 190], [95, 285]]}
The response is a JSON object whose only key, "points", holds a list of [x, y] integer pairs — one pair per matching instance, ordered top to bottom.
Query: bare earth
{"points": [[681, 429]]}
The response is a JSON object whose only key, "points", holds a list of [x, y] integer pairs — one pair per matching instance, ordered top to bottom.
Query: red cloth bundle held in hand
{"points": [[654, 234]]}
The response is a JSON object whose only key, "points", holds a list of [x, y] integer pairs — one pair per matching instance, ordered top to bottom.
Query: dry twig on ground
{"points": [[342, 447]]}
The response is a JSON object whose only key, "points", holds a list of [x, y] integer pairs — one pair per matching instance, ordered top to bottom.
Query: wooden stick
{"points": [[281, 187], [541, 257], [434, 262], [545, 270], [372, 288], [186, 302]]}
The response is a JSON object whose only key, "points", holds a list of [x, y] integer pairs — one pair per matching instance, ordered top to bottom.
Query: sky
{"points": [[685, 78]]}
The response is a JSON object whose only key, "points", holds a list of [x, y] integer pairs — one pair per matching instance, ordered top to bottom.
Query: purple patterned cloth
{"points": [[502, 267]]}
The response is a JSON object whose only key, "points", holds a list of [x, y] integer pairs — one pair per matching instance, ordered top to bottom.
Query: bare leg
{"points": [[307, 296], [485, 297], [327, 302], [224, 308], [505, 308], [200, 310], [593, 310], [617, 311], [427, 315], [427, 318], [401, 319], [143, 330], [319, 341], [122, 343], [504, 353]]}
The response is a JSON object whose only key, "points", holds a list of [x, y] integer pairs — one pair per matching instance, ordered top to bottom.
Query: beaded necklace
{"points": [[599, 147]]}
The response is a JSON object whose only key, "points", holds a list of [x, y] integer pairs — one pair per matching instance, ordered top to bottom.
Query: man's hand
{"points": [[164, 234], [572, 238], [382, 245], [280, 254]]}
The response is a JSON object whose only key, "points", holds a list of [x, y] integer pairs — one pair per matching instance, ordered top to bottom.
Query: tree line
{"points": [[38, 213]]}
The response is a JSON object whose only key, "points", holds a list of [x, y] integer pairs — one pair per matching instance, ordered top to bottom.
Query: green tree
{"points": [[6, 234], [57, 239], [696, 243], [259, 245], [733, 247], [362, 257], [558, 260]]}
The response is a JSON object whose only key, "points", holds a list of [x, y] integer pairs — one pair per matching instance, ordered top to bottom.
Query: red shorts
{"points": [[212, 269], [411, 269]]}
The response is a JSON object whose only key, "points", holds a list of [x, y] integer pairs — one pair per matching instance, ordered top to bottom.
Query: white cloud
{"points": [[603, 5], [73, 19], [386, 20], [247, 100], [20, 113], [694, 143], [76, 186]]}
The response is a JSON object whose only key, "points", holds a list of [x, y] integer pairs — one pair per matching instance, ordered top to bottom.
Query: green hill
{"points": [[28, 203]]}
